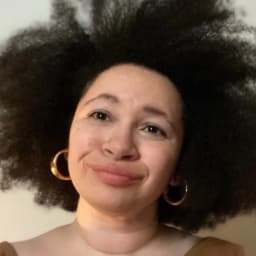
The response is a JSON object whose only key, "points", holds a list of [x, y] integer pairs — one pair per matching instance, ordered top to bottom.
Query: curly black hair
{"points": [[198, 44]]}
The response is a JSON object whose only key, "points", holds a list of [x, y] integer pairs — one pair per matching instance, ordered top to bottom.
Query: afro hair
{"points": [[198, 44]]}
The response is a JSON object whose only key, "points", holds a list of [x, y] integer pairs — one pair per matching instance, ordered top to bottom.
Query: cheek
{"points": [[82, 136], [82, 141], [161, 162]]}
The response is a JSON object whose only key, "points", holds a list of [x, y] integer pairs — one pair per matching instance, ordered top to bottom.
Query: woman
{"points": [[153, 109]]}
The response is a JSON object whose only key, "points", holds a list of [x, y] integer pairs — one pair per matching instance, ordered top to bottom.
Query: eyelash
{"points": [[96, 114], [106, 117], [157, 131]]}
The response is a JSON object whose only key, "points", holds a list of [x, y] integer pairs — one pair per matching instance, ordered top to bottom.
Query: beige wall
{"points": [[20, 218]]}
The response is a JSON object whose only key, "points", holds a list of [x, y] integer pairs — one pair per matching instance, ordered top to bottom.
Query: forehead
{"points": [[134, 77], [136, 84]]}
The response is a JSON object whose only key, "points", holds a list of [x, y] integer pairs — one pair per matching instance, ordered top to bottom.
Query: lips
{"points": [[114, 175]]}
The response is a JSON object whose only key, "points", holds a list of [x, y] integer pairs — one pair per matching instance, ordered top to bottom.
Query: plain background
{"points": [[20, 217]]}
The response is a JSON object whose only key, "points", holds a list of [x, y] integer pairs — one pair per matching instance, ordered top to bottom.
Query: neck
{"points": [[115, 233]]}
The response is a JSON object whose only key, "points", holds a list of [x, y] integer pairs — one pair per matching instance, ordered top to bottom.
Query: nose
{"points": [[120, 146]]}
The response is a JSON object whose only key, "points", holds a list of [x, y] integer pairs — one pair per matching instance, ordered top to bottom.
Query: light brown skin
{"points": [[128, 122]]}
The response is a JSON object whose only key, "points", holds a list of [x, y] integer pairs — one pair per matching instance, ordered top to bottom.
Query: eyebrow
{"points": [[105, 96], [147, 108], [155, 111]]}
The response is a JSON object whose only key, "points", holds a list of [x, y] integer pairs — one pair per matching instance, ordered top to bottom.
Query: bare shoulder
{"points": [[179, 241], [42, 243], [189, 245]]}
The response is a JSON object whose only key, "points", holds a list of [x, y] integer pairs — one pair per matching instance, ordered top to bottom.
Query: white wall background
{"points": [[20, 217]]}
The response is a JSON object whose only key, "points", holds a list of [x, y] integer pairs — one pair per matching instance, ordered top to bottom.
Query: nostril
{"points": [[108, 151], [119, 152], [127, 157]]}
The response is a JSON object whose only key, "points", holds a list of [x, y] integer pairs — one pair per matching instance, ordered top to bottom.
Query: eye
{"points": [[99, 115], [156, 131]]}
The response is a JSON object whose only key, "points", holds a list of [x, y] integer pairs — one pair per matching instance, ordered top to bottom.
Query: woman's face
{"points": [[125, 138]]}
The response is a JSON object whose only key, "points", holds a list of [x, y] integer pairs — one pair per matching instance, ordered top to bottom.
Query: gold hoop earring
{"points": [[54, 165], [176, 191]]}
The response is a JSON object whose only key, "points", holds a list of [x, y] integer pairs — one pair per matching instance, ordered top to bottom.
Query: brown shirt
{"points": [[208, 246], [7, 250]]}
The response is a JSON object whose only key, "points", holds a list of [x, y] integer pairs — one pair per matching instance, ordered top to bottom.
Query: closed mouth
{"points": [[115, 175]]}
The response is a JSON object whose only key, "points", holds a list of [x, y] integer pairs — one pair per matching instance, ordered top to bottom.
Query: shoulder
{"points": [[42, 243], [211, 246], [6, 249]]}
